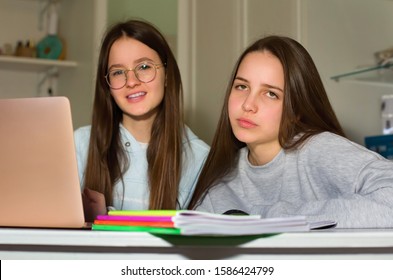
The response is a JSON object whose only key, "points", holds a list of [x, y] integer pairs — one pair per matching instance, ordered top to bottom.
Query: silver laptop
{"points": [[39, 184]]}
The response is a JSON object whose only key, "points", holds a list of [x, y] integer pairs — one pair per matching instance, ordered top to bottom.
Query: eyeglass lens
{"points": [[144, 72]]}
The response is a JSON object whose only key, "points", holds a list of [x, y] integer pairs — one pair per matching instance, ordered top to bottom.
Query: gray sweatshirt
{"points": [[328, 178]]}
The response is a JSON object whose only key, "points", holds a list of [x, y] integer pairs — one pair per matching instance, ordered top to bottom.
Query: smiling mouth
{"points": [[136, 95]]}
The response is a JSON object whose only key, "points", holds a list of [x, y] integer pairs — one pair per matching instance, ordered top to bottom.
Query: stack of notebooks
{"points": [[186, 222]]}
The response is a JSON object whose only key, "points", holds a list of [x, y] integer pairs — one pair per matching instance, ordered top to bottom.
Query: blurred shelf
{"points": [[33, 64], [381, 75]]}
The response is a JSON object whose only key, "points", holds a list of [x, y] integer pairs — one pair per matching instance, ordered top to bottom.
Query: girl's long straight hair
{"points": [[306, 111], [107, 160]]}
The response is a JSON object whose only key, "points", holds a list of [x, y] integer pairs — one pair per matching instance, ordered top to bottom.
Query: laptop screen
{"points": [[39, 184]]}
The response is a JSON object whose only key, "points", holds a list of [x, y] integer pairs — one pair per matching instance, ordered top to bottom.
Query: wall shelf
{"points": [[33, 64], [379, 75]]}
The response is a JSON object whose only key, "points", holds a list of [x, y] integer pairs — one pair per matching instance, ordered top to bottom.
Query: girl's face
{"points": [[138, 100], [256, 100]]}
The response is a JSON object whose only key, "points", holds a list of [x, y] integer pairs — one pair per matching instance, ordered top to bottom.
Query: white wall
{"points": [[265, 17], [19, 20], [83, 31], [342, 35]]}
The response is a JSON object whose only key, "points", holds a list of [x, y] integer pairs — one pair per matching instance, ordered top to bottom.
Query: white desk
{"points": [[86, 244]]}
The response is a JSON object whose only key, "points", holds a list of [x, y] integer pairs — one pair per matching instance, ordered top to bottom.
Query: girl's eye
{"points": [[143, 66], [117, 72], [241, 87], [272, 95]]}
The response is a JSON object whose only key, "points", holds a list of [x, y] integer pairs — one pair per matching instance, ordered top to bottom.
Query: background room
{"points": [[207, 36]]}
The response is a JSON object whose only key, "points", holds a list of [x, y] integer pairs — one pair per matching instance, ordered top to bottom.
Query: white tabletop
{"points": [[18, 243]]}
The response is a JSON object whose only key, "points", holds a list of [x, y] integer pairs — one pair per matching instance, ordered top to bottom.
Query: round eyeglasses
{"points": [[145, 72]]}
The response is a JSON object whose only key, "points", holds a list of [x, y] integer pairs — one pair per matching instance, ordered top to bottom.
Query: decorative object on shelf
{"points": [[51, 46], [7, 50], [27, 50], [384, 55], [381, 72], [387, 114]]}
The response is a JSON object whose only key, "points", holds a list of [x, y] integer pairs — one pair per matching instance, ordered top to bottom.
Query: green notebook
{"points": [[157, 230]]}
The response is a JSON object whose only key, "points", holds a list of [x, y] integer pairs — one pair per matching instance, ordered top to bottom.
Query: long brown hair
{"points": [[306, 111], [107, 160]]}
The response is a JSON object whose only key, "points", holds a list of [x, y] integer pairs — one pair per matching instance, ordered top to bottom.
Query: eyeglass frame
{"points": [[126, 70]]}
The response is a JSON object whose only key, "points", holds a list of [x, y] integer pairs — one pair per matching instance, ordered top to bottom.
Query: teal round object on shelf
{"points": [[50, 47]]}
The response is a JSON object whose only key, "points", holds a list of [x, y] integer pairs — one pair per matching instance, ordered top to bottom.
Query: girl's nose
{"points": [[132, 80], [249, 104]]}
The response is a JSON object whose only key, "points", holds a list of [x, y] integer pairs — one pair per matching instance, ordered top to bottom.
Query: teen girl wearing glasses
{"points": [[137, 154]]}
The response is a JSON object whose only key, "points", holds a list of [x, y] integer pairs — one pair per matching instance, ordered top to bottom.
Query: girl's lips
{"points": [[136, 95], [245, 123]]}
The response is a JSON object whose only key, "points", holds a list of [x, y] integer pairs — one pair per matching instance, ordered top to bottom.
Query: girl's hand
{"points": [[93, 204]]}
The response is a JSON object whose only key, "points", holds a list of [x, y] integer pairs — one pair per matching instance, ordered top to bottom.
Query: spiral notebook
{"points": [[39, 184]]}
